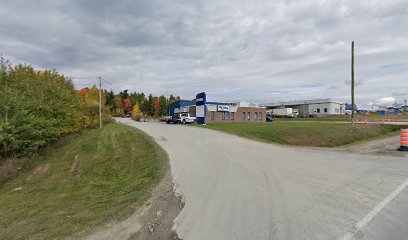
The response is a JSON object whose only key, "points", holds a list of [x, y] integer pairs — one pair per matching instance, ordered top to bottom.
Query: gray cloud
{"points": [[235, 50]]}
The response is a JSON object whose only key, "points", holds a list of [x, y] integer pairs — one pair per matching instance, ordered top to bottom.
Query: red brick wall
{"points": [[237, 115]]}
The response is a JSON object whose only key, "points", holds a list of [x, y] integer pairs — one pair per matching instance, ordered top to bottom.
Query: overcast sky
{"points": [[260, 51]]}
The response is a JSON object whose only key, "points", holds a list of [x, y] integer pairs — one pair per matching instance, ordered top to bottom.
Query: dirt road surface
{"points": [[235, 188]]}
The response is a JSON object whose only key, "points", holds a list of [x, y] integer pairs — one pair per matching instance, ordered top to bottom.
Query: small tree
{"points": [[110, 100], [150, 102], [163, 105], [127, 106], [156, 107], [136, 114]]}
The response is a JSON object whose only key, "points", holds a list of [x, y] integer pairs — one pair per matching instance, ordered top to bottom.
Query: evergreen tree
{"points": [[124, 94], [110, 100], [163, 105], [151, 108]]}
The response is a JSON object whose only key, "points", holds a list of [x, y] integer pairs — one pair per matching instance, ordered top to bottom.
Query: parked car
{"points": [[175, 118], [180, 118], [187, 118], [269, 119]]}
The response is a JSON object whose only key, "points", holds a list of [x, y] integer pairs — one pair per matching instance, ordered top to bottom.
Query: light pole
{"points": [[352, 84], [100, 102]]}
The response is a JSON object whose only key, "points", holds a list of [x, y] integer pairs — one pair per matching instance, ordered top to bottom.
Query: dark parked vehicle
{"points": [[173, 119], [269, 119]]}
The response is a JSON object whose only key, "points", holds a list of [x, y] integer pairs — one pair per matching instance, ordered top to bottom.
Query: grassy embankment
{"points": [[372, 117], [300, 133], [98, 176]]}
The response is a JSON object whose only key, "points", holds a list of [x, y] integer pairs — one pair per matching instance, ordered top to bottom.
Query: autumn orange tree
{"points": [[127, 106], [156, 107]]}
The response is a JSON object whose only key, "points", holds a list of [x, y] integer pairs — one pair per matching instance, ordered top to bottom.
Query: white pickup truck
{"points": [[180, 118], [187, 118]]}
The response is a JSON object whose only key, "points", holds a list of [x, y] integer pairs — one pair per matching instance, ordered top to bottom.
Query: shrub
{"points": [[37, 107], [136, 114]]}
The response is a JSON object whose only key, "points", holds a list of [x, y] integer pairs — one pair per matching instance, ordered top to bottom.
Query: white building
{"points": [[318, 107]]}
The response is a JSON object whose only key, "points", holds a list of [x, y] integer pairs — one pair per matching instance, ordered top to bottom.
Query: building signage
{"points": [[201, 100], [223, 108]]}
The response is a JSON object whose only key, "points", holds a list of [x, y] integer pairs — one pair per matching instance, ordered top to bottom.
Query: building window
{"points": [[318, 110], [325, 110], [223, 115], [228, 115], [212, 116], [232, 116], [243, 116], [249, 116], [256, 116], [260, 116]]}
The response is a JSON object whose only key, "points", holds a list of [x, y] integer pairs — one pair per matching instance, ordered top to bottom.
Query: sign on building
{"points": [[201, 100], [223, 108]]}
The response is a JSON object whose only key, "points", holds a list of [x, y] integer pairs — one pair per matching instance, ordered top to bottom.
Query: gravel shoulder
{"points": [[385, 146], [162, 209]]}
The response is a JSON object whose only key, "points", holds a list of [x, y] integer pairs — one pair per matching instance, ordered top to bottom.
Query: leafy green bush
{"points": [[37, 107]]}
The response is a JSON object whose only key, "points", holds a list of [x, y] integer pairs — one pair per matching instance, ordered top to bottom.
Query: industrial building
{"points": [[315, 108], [221, 111]]}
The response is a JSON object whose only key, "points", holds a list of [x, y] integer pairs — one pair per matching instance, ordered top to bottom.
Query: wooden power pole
{"points": [[352, 84], [100, 102]]}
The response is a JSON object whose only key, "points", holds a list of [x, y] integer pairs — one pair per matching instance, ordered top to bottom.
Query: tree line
{"points": [[137, 104], [40, 106], [37, 108]]}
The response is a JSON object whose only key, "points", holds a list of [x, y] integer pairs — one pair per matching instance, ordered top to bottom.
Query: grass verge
{"points": [[372, 117], [316, 134], [101, 175]]}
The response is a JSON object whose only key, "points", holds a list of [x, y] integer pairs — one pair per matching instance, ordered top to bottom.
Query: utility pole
{"points": [[352, 84], [100, 102]]}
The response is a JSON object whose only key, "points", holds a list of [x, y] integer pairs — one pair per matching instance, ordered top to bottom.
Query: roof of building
{"points": [[301, 102], [210, 103]]}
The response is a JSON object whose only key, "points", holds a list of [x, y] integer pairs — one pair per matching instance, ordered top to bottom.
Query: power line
{"points": [[84, 77], [82, 84], [112, 86], [119, 89]]}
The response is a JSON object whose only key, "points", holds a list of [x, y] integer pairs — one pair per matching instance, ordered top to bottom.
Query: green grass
{"points": [[372, 117], [299, 133], [119, 165]]}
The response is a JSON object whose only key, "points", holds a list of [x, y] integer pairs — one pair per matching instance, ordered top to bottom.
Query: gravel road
{"points": [[235, 188]]}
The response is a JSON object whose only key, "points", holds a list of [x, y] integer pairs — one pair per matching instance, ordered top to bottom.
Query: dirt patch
{"points": [[384, 146], [76, 164], [10, 168], [38, 172], [165, 206], [154, 220]]}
